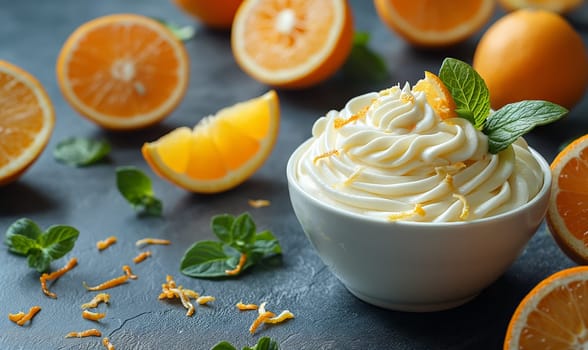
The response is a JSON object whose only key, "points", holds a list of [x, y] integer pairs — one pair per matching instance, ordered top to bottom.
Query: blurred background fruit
{"points": [[559, 6], [216, 14], [429, 23], [293, 44], [532, 55], [123, 71], [27, 120]]}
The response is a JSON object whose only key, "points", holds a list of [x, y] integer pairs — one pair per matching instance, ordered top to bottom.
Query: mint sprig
{"points": [[507, 124], [79, 151], [135, 186], [237, 236], [25, 237], [264, 343]]}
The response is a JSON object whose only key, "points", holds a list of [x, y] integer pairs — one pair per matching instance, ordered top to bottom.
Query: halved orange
{"points": [[559, 6], [217, 14], [433, 23], [292, 44], [123, 71], [438, 96], [26, 121], [222, 151], [567, 214], [553, 315]]}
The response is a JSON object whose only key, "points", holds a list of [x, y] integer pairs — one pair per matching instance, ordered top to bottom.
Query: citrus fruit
{"points": [[559, 6], [217, 14], [434, 23], [292, 44], [532, 55], [123, 71], [438, 96], [26, 121], [222, 151], [567, 214], [553, 314]]}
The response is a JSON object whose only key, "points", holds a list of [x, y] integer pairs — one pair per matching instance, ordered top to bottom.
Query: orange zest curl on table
{"points": [[146, 241], [101, 245], [141, 257], [55, 275], [108, 284], [99, 298], [93, 316], [21, 318], [92, 332], [107, 344]]}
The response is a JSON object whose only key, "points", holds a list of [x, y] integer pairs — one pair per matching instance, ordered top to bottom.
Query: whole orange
{"points": [[217, 14], [532, 55]]}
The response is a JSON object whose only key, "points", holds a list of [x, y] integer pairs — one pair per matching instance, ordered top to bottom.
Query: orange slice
{"points": [[559, 6], [431, 23], [292, 44], [123, 71], [438, 96], [26, 121], [222, 151], [567, 214], [553, 315]]}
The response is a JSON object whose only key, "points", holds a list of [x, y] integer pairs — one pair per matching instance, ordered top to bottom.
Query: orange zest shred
{"points": [[407, 98], [341, 122], [325, 155], [353, 176], [259, 203], [418, 210], [465, 210], [146, 241], [101, 245], [141, 257], [239, 267], [127, 270], [55, 275], [108, 284], [170, 290], [99, 298], [205, 299], [245, 307], [93, 316], [283, 316], [269, 317], [21, 318], [261, 318], [92, 332], [107, 344]]}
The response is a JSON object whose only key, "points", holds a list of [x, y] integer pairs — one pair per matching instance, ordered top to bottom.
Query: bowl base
{"points": [[412, 307]]}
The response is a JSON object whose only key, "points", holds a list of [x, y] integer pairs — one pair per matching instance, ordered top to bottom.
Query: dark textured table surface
{"points": [[327, 316]]}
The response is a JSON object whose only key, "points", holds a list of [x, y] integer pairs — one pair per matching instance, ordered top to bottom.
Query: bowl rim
{"points": [[544, 191]]}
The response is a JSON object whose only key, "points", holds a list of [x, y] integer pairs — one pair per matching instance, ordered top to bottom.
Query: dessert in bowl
{"points": [[409, 210]]}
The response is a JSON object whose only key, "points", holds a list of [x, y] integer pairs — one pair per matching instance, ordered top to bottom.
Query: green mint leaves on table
{"points": [[183, 33], [363, 63], [504, 126], [79, 151], [136, 188], [237, 236], [24, 237], [264, 343]]}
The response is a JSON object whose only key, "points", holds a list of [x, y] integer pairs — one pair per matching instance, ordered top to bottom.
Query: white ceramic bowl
{"points": [[411, 266]]}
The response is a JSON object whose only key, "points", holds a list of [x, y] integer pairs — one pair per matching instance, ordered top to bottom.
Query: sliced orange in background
{"points": [[559, 6], [216, 14], [433, 23], [292, 44], [123, 71], [438, 96], [26, 121], [222, 151], [567, 214], [553, 315]]}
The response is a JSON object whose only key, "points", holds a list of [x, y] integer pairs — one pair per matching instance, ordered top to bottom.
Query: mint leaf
{"points": [[183, 33], [363, 63], [468, 90], [514, 120], [78, 151], [136, 188], [24, 237], [206, 259], [264, 343], [224, 345]]}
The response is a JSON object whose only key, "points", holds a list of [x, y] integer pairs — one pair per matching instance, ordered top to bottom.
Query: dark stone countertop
{"points": [[327, 316]]}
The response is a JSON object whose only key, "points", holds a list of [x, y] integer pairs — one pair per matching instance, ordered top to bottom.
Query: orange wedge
{"points": [[559, 6], [431, 23], [292, 44], [123, 71], [438, 96], [26, 121], [222, 151], [567, 214], [553, 314]]}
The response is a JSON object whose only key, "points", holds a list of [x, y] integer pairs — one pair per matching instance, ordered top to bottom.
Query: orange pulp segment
{"points": [[222, 151]]}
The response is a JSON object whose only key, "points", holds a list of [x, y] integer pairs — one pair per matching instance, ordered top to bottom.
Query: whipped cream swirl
{"points": [[390, 155]]}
